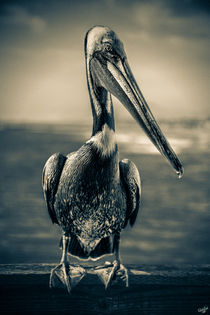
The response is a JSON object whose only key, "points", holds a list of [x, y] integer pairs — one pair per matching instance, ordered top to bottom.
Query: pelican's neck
{"points": [[101, 103]]}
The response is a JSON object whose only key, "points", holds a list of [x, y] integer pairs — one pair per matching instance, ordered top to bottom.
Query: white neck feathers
{"points": [[104, 141]]}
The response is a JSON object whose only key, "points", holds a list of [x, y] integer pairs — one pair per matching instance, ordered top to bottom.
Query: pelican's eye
{"points": [[108, 47]]}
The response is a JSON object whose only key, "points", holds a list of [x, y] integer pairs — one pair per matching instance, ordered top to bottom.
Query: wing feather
{"points": [[131, 180], [50, 181]]}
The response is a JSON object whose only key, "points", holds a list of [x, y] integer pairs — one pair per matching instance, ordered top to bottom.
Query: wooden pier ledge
{"points": [[153, 290]]}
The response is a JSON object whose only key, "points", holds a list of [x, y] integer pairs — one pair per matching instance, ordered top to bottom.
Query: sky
{"points": [[42, 62]]}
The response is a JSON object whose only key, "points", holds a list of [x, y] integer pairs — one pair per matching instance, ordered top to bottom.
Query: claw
{"points": [[112, 273], [76, 274], [121, 274], [66, 276], [59, 277]]}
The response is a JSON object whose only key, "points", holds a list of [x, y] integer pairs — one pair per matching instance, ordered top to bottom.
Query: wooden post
{"points": [[153, 290]]}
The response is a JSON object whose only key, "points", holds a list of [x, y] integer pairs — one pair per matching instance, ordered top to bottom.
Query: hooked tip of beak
{"points": [[180, 173]]}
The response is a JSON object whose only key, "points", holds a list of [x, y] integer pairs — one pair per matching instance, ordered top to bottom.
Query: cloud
{"points": [[188, 7], [16, 16], [159, 18], [42, 59]]}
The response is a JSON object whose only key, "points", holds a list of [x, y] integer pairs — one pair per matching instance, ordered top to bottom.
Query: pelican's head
{"points": [[101, 39], [107, 67]]}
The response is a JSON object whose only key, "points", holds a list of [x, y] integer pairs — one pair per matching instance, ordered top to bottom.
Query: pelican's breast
{"points": [[90, 201]]}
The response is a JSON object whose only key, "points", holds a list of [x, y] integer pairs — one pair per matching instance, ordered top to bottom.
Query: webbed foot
{"points": [[112, 273], [66, 276]]}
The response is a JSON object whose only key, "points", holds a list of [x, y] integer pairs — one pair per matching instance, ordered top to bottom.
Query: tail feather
{"points": [[104, 247]]}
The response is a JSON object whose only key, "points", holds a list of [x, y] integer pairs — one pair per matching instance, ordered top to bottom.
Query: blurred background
{"points": [[44, 108]]}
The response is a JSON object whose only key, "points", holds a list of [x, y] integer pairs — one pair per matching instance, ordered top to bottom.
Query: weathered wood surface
{"points": [[153, 290]]}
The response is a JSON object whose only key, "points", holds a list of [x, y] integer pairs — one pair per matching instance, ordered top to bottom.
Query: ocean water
{"points": [[173, 224]]}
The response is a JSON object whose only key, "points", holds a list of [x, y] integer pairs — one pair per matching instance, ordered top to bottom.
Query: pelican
{"points": [[90, 193]]}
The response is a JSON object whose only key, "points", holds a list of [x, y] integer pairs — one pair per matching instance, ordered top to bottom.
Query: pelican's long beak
{"points": [[117, 78]]}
